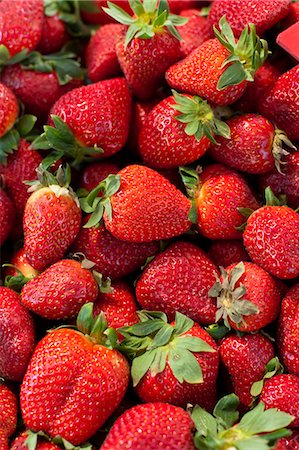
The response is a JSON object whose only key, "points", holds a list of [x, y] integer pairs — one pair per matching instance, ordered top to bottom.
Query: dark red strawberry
{"points": [[176, 6], [292, 17], [195, 31], [54, 35], [9, 109], [139, 115], [94, 173], [7, 216], [225, 253], [17, 335], [8, 415], [27, 439], [289, 443]]}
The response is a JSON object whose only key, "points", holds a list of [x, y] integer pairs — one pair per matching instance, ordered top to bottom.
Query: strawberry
{"points": [[176, 6], [262, 13], [103, 17], [292, 17], [195, 31], [54, 35], [148, 46], [101, 59], [219, 69], [280, 103], [9, 109], [139, 115], [178, 131], [255, 146], [94, 173], [217, 193], [7, 216], [52, 218], [225, 253], [19, 271], [179, 279], [248, 298], [287, 333], [17, 335], [174, 363], [75, 380], [282, 392], [8, 415], [152, 426], [27, 439], [289, 443]]}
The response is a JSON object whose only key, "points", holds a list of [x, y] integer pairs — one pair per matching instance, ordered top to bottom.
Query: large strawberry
{"points": [[195, 31], [148, 46], [220, 68], [9, 109], [7, 216], [52, 218], [225, 253], [16, 335], [173, 362], [75, 380], [8, 415]]}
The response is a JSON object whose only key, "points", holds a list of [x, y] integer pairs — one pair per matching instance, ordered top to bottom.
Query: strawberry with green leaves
{"points": [[19, 271], [8, 415], [28, 440]]}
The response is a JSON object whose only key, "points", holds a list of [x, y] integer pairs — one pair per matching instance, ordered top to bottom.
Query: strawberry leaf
{"points": [[226, 409], [260, 420]]}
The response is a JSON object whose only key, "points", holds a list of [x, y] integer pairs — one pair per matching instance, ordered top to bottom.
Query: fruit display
{"points": [[149, 227]]}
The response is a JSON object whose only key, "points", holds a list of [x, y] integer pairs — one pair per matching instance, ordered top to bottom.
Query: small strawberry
{"points": [[195, 32], [54, 35], [220, 68], [9, 109], [92, 174], [7, 216], [52, 218], [225, 253], [19, 271], [179, 279], [248, 298], [17, 335], [174, 363], [75, 380], [8, 415], [27, 440]]}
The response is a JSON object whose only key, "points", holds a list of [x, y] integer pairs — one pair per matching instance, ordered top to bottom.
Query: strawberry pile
{"points": [[149, 227]]}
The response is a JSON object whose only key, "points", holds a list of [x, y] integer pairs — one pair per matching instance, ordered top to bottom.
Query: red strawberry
{"points": [[99, 5], [176, 6], [292, 17], [195, 31], [54, 35], [148, 47], [101, 59], [210, 72], [280, 103], [9, 109], [139, 116], [178, 131], [255, 146], [94, 173], [7, 216], [52, 219], [225, 253], [179, 279], [248, 298], [17, 335], [178, 368], [74, 380], [282, 392], [8, 415], [151, 426], [28, 438], [289, 443]]}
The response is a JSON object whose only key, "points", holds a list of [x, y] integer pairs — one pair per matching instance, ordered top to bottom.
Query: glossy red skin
{"points": [[262, 13], [21, 24], [194, 32], [54, 35], [101, 59], [144, 61], [198, 74], [280, 103], [9, 109], [98, 114], [139, 115], [163, 143], [249, 148], [94, 173], [286, 183], [219, 197], [147, 207], [7, 216], [51, 225], [271, 238], [225, 253], [113, 258], [19, 260], [179, 279], [261, 289], [60, 291], [287, 333], [17, 335], [245, 359], [72, 385], [164, 387], [282, 392], [8, 410], [151, 426], [3, 440], [290, 443], [42, 444]]}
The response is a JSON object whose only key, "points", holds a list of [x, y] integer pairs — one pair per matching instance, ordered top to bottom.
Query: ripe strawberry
{"points": [[99, 6], [262, 13], [194, 32], [54, 35], [149, 46], [101, 59], [220, 68], [280, 103], [9, 109], [139, 115], [178, 131], [255, 146], [92, 174], [217, 194], [7, 216], [52, 218], [225, 253], [19, 271], [179, 279], [248, 298], [17, 335], [251, 351], [178, 368], [74, 380], [282, 392], [8, 415], [152, 426], [27, 439], [288, 443]]}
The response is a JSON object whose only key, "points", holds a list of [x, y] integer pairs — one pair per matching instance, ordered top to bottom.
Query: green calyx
{"points": [[69, 12], [150, 17], [247, 54], [7, 60], [199, 118], [61, 140], [279, 142], [191, 182], [272, 200], [15, 282], [103, 284], [230, 302], [217, 331], [153, 342], [274, 367], [258, 429], [32, 441]]}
